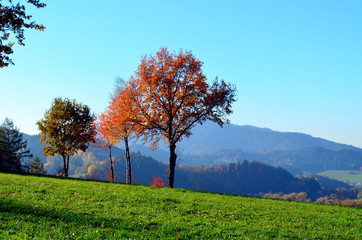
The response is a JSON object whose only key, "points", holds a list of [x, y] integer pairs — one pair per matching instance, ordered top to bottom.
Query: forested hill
{"points": [[210, 138], [212, 145], [312, 160]]}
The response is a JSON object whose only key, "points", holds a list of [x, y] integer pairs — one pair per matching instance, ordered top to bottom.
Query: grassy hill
{"points": [[351, 176], [56, 208]]}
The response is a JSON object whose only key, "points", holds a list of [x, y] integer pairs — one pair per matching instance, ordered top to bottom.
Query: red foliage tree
{"points": [[169, 95], [116, 126]]}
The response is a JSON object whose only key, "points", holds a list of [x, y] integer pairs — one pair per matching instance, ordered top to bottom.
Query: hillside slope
{"points": [[243, 178], [54, 208]]}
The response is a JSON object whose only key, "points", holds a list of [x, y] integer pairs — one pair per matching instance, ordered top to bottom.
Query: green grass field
{"points": [[343, 175], [34, 207]]}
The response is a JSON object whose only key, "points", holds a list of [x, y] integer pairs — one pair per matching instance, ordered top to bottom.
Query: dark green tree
{"points": [[14, 19], [67, 127], [12, 147], [3, 149], [36, 166]]}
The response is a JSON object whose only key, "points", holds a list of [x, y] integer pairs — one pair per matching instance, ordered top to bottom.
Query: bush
{"points": [[157, 182], [298, 197], [352, 203]]}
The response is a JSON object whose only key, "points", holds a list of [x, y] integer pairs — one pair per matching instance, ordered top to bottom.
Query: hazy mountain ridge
{"points": [[210, 138], [212, 145]]}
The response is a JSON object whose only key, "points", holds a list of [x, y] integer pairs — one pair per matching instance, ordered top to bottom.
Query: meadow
{"points": [[343, 175], [59, 208]]}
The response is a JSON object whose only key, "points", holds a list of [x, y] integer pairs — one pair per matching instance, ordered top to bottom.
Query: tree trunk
{"points": [[110, 160], [128, 161], [66, 164], [171, 172]]}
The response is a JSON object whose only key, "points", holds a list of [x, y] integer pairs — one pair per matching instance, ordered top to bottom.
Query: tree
{"points": [[14, 19], [169, 95], [115, 123], [67, 127], [104, 139], [3, 146], [12, 147], [36, 166]]}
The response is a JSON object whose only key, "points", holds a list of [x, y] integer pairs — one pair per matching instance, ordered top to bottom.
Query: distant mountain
{"points": [[210, 138], [34, 145], [211, 145]]}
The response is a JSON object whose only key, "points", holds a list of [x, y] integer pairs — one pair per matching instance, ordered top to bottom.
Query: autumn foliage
{"points": [[168, 96], [115, 125], [67, 127], [157, 182], [298, 197]]}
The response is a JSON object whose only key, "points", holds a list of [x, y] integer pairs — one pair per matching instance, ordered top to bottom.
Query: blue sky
{"points": [[297, 64]]}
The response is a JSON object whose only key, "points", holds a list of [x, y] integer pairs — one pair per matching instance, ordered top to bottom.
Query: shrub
{"points": [[157, 182], [298, 197], [352, 203]]}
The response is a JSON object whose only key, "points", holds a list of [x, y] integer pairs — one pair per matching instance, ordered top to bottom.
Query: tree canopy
{"points": [[13, 20], [169, 95], [66, 128]]}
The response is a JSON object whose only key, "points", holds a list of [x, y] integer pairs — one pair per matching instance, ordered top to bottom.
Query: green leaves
{"points": [[13, 20], [66, 128]]}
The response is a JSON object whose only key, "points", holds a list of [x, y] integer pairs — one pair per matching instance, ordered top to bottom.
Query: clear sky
{"points": [[297, 64]]}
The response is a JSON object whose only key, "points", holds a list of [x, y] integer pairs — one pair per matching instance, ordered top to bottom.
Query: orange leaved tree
{"points": [[169, 95], [116, 126], [107, 140]]}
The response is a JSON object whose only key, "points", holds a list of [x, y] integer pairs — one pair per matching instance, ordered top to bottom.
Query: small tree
{"points": [[14, 19], [169, 95], [116, 125], [67, 127], [104, 140], [12, 147], [36, 166]]}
